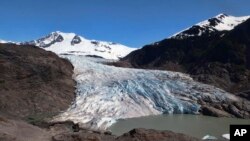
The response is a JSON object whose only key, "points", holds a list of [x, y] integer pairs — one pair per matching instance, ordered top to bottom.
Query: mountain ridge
{"points": [[221, 22], [71, 43]]}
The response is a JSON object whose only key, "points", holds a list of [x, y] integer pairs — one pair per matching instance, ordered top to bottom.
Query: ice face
{"points": [[107, 93]]}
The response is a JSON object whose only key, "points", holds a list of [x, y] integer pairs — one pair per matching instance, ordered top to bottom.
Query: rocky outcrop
{"points": [[76, 40], [34, 83], [240, 109], [15, 130], [133, 135], [154, 135]]}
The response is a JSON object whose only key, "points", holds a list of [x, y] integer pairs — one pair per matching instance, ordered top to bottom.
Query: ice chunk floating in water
{"points": [[107, 93], [226, 136], [209, 137]]}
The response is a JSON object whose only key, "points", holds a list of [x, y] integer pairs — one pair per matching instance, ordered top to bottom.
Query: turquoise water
{"points": [[193, 125]]}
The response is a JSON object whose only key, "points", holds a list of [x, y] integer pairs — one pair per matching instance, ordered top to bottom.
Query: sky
{"points": [[130, 22]]}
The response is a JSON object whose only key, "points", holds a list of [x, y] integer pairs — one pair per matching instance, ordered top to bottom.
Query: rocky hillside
{"points": [[216, 51], [33, 83]]}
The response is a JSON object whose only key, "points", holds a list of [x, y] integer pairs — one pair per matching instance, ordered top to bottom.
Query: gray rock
{"points": [[76, 40]]}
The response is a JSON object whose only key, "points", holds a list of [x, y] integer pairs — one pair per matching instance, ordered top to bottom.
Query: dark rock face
{"points": [[54, 37], [57, 38], [76, 40], [95, 43], [218, 58], [34, 83], [211, 111], [133, 135], [154, 135], [83, 136]]}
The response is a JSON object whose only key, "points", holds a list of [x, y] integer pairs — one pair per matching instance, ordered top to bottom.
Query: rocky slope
{"points": [[215, 51], [33, 83]]}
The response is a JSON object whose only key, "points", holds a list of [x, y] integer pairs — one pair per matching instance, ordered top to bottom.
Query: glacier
{"points": [[105, 93]]}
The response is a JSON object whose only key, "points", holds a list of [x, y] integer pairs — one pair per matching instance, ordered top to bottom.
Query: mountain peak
{"points": [[221, 15], [221, 22], [57, 32], [60, 32], [63, 35], [71, 43]]}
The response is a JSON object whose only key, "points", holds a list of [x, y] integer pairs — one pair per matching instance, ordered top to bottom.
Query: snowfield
{"points": [[70, 43], [107, 93]]}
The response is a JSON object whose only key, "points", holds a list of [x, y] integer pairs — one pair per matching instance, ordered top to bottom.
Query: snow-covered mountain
{"points": [[221, 22], [70, 43]]}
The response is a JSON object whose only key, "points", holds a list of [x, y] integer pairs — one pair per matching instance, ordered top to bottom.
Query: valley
{"points": [[66, 87]]}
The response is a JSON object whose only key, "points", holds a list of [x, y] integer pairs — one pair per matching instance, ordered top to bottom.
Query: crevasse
{"points": [[107, 93]]}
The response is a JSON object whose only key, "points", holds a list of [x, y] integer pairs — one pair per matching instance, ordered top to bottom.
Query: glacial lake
{"points": [[193, 125]]}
